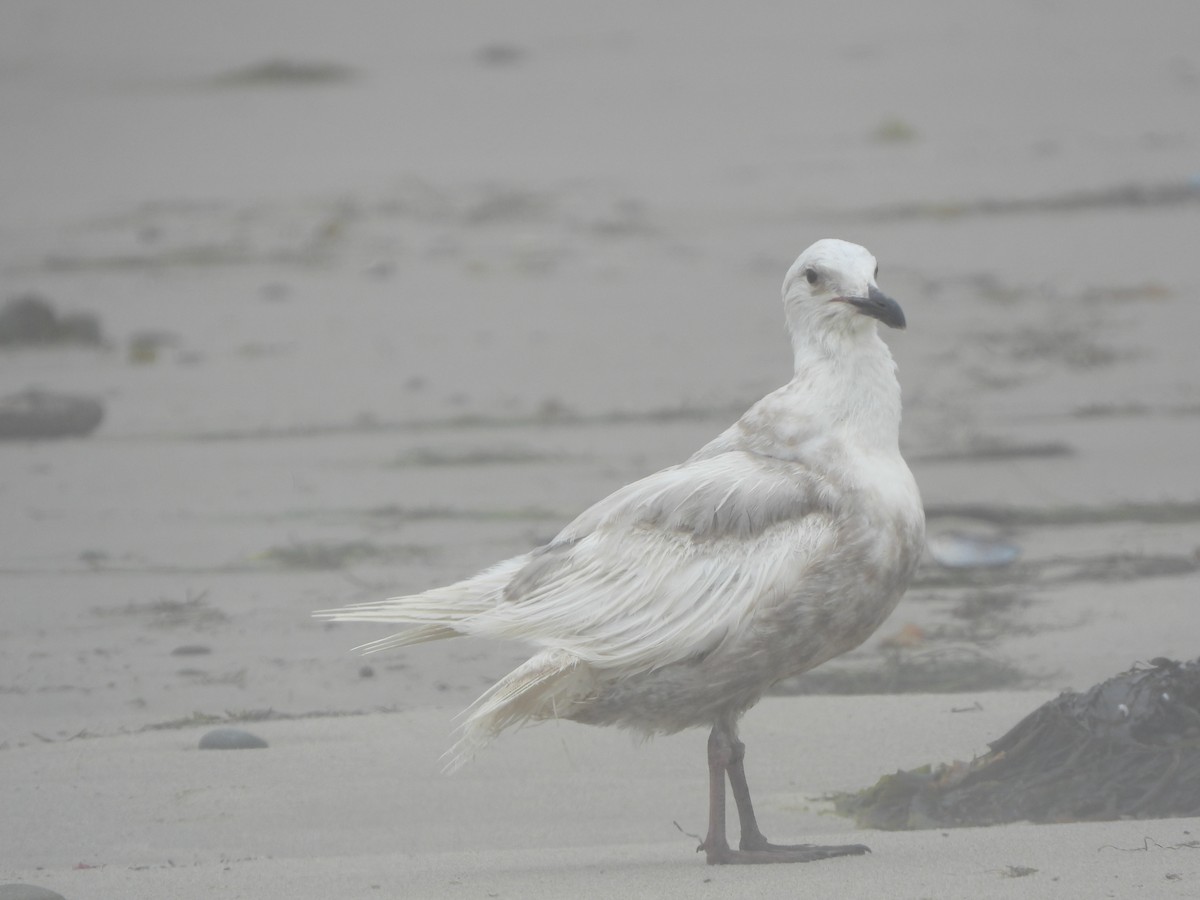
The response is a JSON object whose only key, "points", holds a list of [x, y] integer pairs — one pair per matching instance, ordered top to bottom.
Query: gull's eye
{"points": [[877, 272], [812, 276]]}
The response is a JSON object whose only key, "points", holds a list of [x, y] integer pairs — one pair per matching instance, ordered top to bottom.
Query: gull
{"points": [[681, 598]]}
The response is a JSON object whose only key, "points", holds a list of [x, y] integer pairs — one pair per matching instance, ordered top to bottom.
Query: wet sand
{"points": [[403, 306]]}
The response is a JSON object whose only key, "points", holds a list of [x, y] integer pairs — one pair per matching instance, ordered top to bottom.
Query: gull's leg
{"points": [[725, 755], [753, 838], [716, 845]]}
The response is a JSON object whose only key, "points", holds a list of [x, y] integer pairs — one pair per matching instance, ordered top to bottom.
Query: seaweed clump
{"points": [[1127, 748]]}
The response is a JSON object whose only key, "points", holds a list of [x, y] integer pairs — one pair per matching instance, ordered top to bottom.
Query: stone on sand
{"points": [[231, 739]]}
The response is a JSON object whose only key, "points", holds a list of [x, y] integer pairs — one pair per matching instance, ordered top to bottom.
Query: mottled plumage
{"points": [[679, 599]]}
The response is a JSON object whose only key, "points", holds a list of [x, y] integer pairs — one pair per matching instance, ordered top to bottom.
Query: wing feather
{"points": [[666, 568]]}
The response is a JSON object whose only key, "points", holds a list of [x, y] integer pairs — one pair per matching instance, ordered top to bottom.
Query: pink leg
{"points": [[725, 756]]}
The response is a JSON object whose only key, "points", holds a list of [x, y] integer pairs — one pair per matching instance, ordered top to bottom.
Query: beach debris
{"points": [[499, 54], [285, 73], [894, 131], [31, 319], [145, 346], [42, 415], [960, 550], [322, 554], [93, 559], [192, 613], [908, 637], [192, 650], [231, 739], [1128, 748], [1149, 843], [1017, 871], [27, 892]]}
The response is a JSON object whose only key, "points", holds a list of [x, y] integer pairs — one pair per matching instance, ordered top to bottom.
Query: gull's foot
{"points": [[763, 851]]}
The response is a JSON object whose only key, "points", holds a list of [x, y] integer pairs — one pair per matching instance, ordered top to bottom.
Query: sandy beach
{"points": [[390, 292]]}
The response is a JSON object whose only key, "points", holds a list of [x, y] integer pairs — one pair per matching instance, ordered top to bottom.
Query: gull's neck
{"points": [[847, 380]]}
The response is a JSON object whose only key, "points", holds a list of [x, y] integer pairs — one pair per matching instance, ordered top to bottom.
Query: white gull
{"points": [[678, 600]]}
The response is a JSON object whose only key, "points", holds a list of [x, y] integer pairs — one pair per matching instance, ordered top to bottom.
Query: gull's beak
{"points": [[878, 305]]}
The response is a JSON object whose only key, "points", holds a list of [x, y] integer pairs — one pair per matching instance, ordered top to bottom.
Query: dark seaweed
{"points": [[1127, 748]]}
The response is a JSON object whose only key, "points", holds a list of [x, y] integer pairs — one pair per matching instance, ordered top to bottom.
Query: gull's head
{"points": [[831, 287]]}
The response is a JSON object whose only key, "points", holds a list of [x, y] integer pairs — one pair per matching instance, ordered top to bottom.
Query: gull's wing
{"points": [[666, 567]]}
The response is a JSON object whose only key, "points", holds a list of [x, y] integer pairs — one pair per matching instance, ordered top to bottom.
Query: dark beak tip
{"points": [[879, 305]]}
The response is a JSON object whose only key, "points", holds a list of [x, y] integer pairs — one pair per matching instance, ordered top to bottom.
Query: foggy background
{"points": [[387, 292]]}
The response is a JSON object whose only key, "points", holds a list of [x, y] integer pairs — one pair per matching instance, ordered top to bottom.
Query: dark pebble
{"points": [[499, 54], [285, 72], [38, 415], [191, 650], [366, 672], [230, 739], [27, 892]]}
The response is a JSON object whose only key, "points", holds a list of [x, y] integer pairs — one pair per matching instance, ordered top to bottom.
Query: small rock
{"points": [[499, 54], [285, 73], [381, 269], [41, 415], [93, 558], [191, 650], [366, 672], [230, 739], [27, 892]]}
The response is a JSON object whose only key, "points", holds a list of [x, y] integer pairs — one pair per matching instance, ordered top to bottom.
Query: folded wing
{"points": [[667, 567]]}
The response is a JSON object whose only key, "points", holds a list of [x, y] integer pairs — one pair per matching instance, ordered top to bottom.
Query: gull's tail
{"points": [[441, 613], [545, 687]]}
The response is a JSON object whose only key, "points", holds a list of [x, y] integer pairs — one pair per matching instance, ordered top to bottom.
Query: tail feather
{"points": [[441, 613], [418, 635], [549, 685], [545, 687]]}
